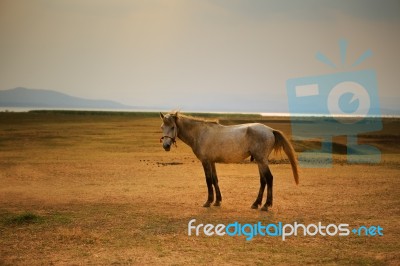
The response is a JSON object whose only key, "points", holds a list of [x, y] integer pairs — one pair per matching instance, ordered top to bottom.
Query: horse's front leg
{"points": [[209, 180], [216, 186]]}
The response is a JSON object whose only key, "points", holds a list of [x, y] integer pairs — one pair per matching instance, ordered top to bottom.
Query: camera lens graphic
{"points": [[348, 99]]}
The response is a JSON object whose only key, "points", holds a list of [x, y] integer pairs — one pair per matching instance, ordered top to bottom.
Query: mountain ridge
{"points": [[21, 97], [40, 98]]}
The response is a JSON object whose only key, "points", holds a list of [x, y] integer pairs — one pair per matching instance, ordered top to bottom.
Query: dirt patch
{"points": [[168, 163]]}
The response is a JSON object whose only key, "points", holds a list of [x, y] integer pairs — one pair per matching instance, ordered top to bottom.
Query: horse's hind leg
{"points": [[269, 178], [209, 180], [263, 182], [215, 183]]}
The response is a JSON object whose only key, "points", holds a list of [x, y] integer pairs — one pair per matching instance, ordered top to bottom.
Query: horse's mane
{"points": [[197, 119]]}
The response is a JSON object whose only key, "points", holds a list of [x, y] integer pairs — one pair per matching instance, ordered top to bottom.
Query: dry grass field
{"points": [[92, 188]]}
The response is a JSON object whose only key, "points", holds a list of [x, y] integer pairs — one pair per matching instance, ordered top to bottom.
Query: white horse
{"points": [[214, 143]]}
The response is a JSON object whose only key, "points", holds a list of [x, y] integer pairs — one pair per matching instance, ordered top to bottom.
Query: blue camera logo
{"points": [[345, 103]]}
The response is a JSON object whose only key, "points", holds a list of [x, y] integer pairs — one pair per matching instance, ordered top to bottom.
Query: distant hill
{"points": [[23, 97]]}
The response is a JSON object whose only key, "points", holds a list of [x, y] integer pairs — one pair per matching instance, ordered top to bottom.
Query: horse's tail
{"points": [[281, 142]]}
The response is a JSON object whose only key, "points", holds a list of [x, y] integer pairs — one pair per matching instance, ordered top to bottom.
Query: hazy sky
{"points": [[193, 54]]}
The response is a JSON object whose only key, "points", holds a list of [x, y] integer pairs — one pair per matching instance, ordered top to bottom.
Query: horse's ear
{"points": [[161, 115]]}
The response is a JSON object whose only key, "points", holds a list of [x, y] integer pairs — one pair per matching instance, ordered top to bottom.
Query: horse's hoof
{"points": [[217, 203], [207, 204], [254, 206], [264, 208]]}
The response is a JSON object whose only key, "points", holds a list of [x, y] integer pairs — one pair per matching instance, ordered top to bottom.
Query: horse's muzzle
{"points": [[167, 146]]}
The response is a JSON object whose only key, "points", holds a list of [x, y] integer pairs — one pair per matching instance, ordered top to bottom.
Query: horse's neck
{"points": [[188, 130]]}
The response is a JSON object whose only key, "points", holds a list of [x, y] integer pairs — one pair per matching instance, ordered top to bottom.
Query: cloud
{"points": [[149, 52]]}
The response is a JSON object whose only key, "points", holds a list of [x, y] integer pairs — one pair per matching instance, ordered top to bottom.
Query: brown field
{"points": [[92, 188]]}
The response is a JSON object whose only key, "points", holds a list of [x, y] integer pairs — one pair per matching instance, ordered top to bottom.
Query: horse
{"points": [[213, 143]]}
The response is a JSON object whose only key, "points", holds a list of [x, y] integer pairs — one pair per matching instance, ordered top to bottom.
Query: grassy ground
{"points": [[92, 188]]}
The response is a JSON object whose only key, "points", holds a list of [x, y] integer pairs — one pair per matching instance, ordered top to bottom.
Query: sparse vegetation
{"points": [[79, 188], [21, 219]]}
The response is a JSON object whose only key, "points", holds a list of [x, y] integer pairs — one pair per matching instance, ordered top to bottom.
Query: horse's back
{"points": [[242, 133], [235, 143]]}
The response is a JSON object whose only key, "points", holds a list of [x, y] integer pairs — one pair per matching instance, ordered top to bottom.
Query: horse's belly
{"points": [[228, 154], [231, 158]]}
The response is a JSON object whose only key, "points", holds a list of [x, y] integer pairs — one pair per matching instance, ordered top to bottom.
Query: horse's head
{"points": [[170, 130]]}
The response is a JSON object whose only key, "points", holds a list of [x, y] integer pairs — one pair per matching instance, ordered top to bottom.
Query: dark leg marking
{"points": [[209, 180], [270, 180], [216, 186], [260, 192]]}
